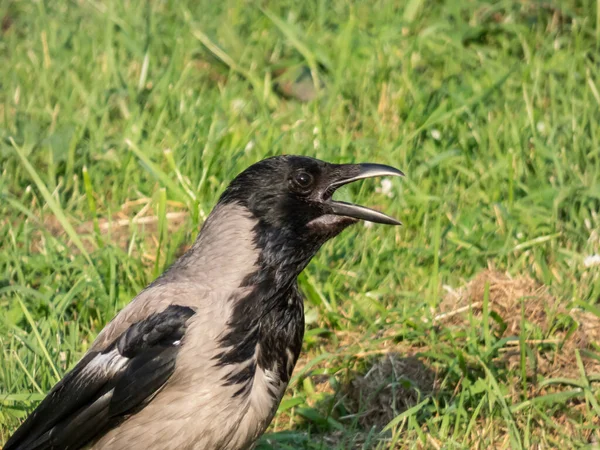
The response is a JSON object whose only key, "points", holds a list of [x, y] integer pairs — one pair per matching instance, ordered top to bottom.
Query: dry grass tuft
{"points": [[553, 330]]}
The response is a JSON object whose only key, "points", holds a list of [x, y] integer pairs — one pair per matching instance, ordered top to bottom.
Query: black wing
{"points": [[105, 387]]}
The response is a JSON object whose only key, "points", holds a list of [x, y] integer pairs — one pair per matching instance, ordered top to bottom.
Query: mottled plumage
{"points": [[201, 358]]}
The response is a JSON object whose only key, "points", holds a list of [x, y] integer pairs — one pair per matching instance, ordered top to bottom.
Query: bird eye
{"points": [[303, 180]]}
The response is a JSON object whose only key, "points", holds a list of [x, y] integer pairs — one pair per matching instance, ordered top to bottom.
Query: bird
{"points": [[201, 358]]}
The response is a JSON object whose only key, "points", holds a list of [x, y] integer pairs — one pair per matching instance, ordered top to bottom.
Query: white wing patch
{"points": [[104, 364]]}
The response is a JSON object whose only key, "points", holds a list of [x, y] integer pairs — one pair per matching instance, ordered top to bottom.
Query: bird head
{"points": [[293, 195]]}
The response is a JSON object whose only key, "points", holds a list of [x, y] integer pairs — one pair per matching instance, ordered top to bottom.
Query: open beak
{"points": [[348, 173]]}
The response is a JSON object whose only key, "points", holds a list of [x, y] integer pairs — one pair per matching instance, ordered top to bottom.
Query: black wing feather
{"points": [[142, 378], [105, 387]]}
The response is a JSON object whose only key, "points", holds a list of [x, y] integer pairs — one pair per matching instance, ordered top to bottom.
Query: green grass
{"points": [[110, 109]]}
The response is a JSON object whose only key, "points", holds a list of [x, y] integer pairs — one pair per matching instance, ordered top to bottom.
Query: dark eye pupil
{"points": [[303, 179]]}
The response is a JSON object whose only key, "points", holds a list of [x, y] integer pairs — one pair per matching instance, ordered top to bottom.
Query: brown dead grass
{"points": [[134, 218], [564, 330], [392, 385]]}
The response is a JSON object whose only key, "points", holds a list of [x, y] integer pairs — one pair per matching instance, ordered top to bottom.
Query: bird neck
{"points": [[236, 249], [224, 254], [283, 255]]}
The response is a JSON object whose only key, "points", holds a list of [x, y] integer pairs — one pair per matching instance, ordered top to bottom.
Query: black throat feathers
{"points": [[267, 327]]}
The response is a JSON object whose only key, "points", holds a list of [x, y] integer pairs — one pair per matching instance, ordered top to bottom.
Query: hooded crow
{"points": [[200, 359]]}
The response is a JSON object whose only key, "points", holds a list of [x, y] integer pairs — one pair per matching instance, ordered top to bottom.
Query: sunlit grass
{"points": [[122, 121]]}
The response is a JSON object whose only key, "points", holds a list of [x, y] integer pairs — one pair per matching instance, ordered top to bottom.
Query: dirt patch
{"points": [[554, 331]]}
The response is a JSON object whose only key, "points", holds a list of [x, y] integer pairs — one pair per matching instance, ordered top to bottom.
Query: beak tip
{"points": [[369, 170], [393, 172], [387, 221], [394, 222]]}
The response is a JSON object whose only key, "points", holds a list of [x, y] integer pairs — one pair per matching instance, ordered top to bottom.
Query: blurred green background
{"points": [[122, 121]]}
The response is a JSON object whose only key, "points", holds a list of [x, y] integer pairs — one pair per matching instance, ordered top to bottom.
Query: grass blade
{"points": [[56, 209], [38, 338]]}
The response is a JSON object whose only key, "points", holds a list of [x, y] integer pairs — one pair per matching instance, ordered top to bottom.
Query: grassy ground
{"points": [[122, 121]]}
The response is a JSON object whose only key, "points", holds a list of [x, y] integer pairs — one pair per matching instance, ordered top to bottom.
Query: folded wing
{"points": [[107, 386]]}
